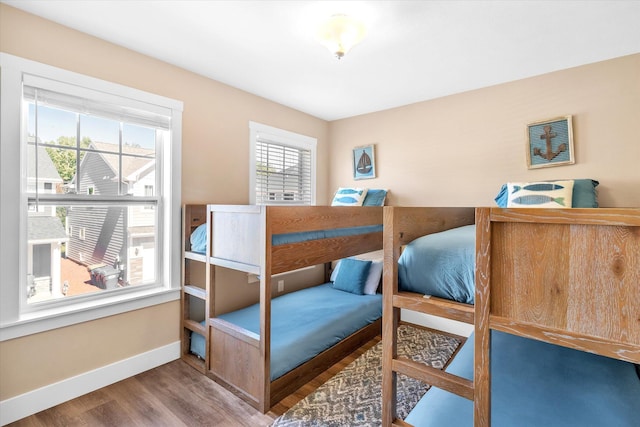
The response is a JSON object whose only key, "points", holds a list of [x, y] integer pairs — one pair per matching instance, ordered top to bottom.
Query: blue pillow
{"points": [[583, 196], [375, 198], [199, 239], [352, 275]]}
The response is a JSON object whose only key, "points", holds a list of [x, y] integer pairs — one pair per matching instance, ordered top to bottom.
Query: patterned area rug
{"points": [[353, 396]]}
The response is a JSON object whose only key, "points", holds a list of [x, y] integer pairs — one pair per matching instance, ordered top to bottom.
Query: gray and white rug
{"points": [[353, 396]]}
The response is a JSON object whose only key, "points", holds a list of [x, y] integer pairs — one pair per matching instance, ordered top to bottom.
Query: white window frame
{"points": [[286, 138], [14, 320]]}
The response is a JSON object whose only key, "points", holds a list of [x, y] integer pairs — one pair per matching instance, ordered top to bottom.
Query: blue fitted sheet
{"points": [[199, 236], [440, 264], [305, 323], [538, 384]]}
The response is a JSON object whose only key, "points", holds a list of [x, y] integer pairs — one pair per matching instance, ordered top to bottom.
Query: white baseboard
{"points": [[51, 395]]}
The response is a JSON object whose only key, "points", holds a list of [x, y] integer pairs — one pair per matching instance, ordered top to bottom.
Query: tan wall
{"points": [[215, 144], [458, 150]]}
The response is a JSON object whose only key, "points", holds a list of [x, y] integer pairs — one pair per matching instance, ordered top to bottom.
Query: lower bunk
{"points": [[310, 329], [538, 384]]}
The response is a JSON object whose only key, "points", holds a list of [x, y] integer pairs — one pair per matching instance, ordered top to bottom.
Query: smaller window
{"points": [[283, 166], [48, 186], [91, 190], [81, 233]]}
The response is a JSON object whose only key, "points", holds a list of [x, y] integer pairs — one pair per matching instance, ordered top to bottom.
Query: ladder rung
{"points": [[434, 377]]}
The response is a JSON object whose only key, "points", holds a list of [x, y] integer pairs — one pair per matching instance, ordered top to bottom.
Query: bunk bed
{"points": [[556, 311], [247, 350]]}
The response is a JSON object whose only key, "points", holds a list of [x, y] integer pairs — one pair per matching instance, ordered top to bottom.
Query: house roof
{"points": [[130, 165], [46, 169], [45, 229]]}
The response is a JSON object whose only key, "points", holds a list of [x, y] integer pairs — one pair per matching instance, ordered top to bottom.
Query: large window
{"points": [[282, 167], [95, 194]]}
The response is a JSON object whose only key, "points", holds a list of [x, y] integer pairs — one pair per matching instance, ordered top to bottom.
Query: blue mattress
{"points": [[199, 236], [440, 264], [305, 323], [538, 384]]}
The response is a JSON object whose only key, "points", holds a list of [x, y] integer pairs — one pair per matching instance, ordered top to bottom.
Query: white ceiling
{"points": [[414, 50]]}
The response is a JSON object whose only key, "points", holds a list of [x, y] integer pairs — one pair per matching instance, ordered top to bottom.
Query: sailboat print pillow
{"points": [[557, 194], [349, 197]]}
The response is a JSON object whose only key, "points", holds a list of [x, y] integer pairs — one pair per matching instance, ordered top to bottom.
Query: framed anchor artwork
{"points": [[550, 143], [364, 162]]}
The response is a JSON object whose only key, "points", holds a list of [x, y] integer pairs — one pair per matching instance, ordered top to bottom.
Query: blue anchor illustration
{"points": [[549, 154]]}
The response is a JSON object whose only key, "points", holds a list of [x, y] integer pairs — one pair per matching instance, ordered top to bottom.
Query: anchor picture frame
{"points": [[550, 143], [364, 162]]}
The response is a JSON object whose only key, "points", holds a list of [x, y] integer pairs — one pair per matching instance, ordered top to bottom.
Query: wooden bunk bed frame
{"points": [[239, 237], [569, 277]]}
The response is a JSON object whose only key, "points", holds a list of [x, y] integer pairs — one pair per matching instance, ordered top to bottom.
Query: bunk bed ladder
{"points": [[193, 287], [394, 301], [392, 364]]}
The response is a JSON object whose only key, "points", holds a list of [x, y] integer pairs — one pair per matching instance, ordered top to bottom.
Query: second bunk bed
{"points": [[556, 317], [267, 350]]}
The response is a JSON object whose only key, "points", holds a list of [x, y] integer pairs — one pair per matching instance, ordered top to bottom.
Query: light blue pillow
{"points": [[541, 194], [584, 194], [349, 197], [375, 198], [352, 275]]}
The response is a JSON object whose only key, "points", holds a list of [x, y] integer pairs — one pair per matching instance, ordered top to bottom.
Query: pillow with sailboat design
{"points": [[557, 194], [349, 197]]}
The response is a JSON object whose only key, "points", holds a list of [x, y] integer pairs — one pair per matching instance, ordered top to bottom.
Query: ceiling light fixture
{"points": [[340, 33]]}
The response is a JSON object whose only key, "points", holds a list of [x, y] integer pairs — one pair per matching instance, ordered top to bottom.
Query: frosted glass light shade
{"points": [[340, 33]]}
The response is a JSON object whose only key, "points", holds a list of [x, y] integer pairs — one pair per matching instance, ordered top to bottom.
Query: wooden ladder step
{"points": [[435, 306], [435, 377]]}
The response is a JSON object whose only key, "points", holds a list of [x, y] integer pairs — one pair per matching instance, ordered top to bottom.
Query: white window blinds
{"points": [[283, 167]]}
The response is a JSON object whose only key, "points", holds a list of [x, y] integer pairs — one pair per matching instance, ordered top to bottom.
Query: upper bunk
{"points": [[404, 225], [276, 239], [566, 276]]}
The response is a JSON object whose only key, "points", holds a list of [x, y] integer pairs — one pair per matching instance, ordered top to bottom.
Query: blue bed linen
{"points": [[199, 236], [303, 236], [198, 239], [440, 264], [305, 323], [538, 384]]}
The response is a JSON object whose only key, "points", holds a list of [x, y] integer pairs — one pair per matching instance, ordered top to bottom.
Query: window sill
{"points": [[46, 320]]}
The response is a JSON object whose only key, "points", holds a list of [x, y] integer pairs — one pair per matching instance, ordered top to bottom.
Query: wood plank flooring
{"points": [[173, 395]]}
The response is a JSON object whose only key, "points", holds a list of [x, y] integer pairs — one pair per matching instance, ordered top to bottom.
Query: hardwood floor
{"points": [[172, 395]]}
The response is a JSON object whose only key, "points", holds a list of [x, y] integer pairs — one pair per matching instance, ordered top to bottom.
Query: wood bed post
{"points": [[209, 306], [390, 316], [482, 337], [264, 401]]}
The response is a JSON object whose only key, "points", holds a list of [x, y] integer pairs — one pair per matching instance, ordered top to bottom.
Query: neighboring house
{"points": [[283, 186], [46, 234], [113, 235]]}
